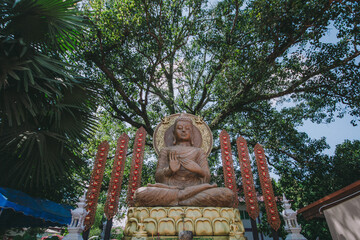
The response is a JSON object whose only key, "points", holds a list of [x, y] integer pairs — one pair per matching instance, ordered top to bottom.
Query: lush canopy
{"points": [[256, 68]]}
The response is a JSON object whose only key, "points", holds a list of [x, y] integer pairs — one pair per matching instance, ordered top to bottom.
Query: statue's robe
{"points": [[184, 187]]}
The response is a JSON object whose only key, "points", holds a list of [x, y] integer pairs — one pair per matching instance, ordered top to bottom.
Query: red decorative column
{"points": [[136, 165], [228, 165], [266, 186], [92, 194], [112, 199], [252, 206]]}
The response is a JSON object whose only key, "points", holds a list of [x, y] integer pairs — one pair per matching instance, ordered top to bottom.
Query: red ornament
{"points": [[140, 139], [136, 166], [231, 186]]}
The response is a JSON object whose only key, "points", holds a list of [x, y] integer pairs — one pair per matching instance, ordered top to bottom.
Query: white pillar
{"points": [[291, 225], [76, 226]]}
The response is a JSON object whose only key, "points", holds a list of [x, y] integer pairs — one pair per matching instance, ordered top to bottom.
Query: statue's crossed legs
{"points": [[201, 195]]}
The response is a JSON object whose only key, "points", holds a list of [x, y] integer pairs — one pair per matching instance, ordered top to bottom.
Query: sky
{"points": [[339, 130], [335, 132]]}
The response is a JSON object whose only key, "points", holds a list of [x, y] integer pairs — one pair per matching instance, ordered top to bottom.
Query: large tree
{"points": [[232, 62], [45, 109]]}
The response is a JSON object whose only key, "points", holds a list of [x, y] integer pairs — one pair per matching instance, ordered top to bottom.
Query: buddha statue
{"points": [[182, 174]]}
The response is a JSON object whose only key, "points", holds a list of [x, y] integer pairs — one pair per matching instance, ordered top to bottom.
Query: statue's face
{"points": [[183, 131]]}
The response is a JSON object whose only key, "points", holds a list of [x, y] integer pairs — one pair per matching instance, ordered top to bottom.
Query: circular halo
{"points": [[163, 135]]}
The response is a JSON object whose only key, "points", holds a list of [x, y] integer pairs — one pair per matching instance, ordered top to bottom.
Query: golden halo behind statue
{"points": [[163, 135]]}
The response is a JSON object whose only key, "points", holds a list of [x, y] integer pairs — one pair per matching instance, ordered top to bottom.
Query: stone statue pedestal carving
{"points": [[183, 199], [166, 222]]}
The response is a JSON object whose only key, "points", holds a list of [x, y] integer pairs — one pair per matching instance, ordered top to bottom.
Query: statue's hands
{"points": [[173, 162], [193, 167]]}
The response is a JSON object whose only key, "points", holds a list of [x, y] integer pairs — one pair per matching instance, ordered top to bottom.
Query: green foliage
{"points": [[255, 68], [45, 108], [319, 177]]}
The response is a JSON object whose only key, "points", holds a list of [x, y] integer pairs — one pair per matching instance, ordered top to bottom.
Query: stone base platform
{"points": [[166, 222]]}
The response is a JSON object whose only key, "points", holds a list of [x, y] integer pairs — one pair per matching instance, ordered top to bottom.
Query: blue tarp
{"points": [[17, 209]]}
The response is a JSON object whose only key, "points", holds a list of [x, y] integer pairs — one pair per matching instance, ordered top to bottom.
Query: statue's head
{"points": [[183, 130]]}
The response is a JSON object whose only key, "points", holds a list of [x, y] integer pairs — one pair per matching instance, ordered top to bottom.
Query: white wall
{"points": [[344, 220]]}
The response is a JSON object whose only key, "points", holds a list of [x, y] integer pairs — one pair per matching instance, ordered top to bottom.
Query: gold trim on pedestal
{"points": [[167, 222]]}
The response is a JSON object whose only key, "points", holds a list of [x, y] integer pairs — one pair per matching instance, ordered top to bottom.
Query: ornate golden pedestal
{"points": [[166, 222]]}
